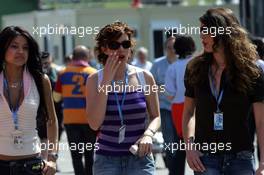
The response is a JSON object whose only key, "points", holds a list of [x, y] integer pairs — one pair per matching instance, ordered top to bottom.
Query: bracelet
{"points": [[151, 131], [148, 132], [148, 135], [190, 139], [53, 155]]}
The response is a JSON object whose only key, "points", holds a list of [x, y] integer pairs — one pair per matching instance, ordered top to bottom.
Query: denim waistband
{"points": [[10, 163], [28, 166]]}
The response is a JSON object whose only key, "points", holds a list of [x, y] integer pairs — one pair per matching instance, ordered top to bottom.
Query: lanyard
{"points": [[217, 96], [123, 100], [13, 109]]}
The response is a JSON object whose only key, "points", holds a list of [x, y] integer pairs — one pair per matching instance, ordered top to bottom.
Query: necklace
{"points": [[119, 81]]}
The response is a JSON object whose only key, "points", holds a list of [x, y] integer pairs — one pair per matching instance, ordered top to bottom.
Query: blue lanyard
{"points": [[217, 96], [119, 107], [13, 109]]}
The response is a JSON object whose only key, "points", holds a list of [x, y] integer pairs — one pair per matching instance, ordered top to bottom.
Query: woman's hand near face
{"points": [[110, 68]]}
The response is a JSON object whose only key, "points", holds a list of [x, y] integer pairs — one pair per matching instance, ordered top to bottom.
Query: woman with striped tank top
{"points": [[118, 107]]}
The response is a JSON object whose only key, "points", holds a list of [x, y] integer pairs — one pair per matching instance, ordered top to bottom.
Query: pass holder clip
{"points": [[218, 121], [122, 131], [17, 136]]}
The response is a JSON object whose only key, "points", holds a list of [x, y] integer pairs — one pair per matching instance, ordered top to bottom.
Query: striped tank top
{"points": [[135, 118]]}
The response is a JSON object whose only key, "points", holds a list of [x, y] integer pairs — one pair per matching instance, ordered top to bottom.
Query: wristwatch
{"points": [[149, 133], [190, 139], [54, 156]]}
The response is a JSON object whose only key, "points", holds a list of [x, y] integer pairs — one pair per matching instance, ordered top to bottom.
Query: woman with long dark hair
{"points": [[221, 86], [24, 92]]}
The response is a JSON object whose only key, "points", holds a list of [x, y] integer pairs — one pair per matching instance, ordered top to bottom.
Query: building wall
{"points": [[17, 6], [258, 10], [252, 15], [145, 21], [34, 22]]}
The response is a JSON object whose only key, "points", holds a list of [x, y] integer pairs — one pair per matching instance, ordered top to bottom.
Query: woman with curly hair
{"points": [[221, 86], [25, 92], [121, 114]]}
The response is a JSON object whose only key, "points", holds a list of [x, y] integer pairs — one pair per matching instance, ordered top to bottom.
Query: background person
{"points": [[257, 41], [67, 60], [92, 60], [141, 60], [159, 68], [51, 71], [174, 84], [70, 88]]}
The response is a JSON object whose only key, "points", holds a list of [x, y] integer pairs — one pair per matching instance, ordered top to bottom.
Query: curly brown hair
{"points": [[112, 32], [240, 53]]}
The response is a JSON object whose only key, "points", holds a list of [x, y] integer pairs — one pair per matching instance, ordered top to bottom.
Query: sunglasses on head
{"points": [[114, 45]]}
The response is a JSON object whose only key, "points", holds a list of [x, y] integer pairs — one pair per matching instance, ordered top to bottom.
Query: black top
{"points": [[235, 107]]}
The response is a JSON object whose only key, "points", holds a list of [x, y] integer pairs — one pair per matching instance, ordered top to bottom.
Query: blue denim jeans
{"points": [[241, 163], [123, 165], [32, 166]]}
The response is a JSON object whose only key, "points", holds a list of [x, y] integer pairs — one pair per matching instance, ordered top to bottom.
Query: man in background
{"points": [[142, 59], [70, 88]]}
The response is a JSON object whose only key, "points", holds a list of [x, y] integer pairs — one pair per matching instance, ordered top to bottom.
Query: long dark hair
{"points": [[240, 54], [33, 63]]}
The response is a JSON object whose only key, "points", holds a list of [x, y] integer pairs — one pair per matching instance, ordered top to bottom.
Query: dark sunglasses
{"points": [[114, 45]]}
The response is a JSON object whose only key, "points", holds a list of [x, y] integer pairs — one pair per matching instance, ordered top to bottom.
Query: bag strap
{"points": [[100, 76], [141, 77]]}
